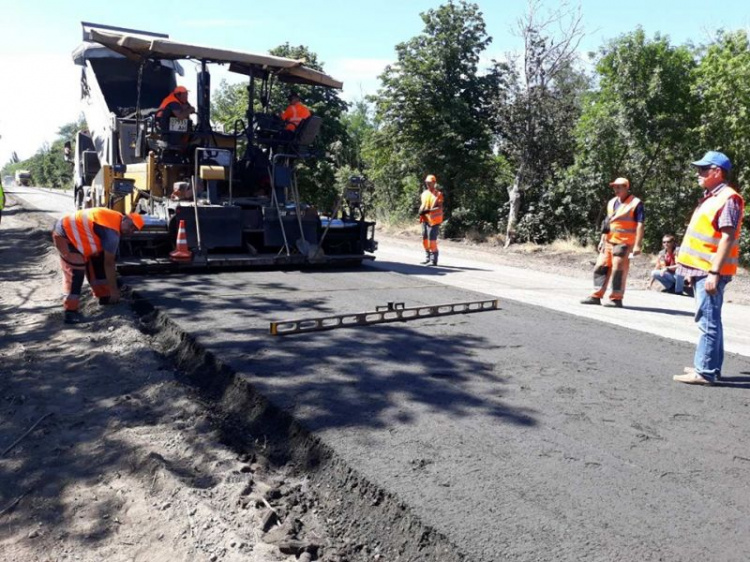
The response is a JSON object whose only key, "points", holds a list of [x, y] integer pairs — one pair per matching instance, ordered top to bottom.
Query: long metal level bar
{"points": [[393, 312]]}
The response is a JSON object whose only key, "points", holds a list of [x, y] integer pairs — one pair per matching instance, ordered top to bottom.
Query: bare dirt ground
{"points": [[121, 441]]}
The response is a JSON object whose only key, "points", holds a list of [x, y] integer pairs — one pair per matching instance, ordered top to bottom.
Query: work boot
{"points": [[427, 258], [434, 259], [591, 300], [614, 304], [73, 317]]}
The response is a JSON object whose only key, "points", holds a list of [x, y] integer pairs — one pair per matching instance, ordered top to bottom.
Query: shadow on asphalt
{"points": [[425, 269], [669, 311], [359, 376], [735, 382]]}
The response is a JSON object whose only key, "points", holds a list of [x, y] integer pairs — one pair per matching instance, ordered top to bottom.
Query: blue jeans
{"points": [[669, 280], [709, 354]]}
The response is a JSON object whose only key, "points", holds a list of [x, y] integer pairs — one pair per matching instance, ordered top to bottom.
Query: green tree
{"points": [[722, 84], [536, 110], [433, 114], [639, 124], [47, 166]]}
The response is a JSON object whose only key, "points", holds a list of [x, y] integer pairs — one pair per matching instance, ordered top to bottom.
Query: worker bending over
{"points": [[87, 242]]}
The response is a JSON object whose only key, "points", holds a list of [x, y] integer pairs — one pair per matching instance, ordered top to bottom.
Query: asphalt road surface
{"points": [[527, 433]]}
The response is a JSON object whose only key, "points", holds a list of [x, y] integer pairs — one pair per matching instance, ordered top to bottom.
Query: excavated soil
{"points": [[121, 439]]}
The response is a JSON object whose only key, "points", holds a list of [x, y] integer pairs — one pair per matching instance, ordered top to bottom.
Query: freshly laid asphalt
{"points": [[533, 432]]}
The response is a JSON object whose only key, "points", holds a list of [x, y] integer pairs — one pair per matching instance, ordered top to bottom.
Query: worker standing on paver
{"points": [[431, 217], [622, 236], [87, 242], [708, 256]]}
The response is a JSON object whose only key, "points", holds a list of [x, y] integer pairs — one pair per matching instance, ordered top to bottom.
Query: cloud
{"points": [[40, 93]]}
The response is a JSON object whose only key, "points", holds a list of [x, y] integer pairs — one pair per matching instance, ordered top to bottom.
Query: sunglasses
{"points": [[704, 169]]}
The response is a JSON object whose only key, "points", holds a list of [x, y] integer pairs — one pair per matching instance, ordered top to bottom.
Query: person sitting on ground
{"points": [[666, 267]]}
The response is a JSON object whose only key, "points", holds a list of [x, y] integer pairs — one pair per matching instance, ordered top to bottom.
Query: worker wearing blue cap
{"points": [[708, 256]]}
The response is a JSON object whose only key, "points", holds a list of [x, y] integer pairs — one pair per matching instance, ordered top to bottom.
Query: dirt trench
{"points": [[122, 439]]}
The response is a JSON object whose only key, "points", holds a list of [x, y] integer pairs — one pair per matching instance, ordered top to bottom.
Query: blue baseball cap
{"points": [[713, 158]]}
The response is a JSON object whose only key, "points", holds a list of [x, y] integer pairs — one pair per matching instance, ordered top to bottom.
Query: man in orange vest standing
{"points": [[295, 112], [431, 217], [622, 235], [87, 242], [708, 256]]}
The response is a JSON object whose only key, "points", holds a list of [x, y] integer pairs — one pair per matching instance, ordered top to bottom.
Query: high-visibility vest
{"points": [[171, 98], [294, 114], [2, 198], [435, 216], [622, 223], [79, 228], [701, 240]]}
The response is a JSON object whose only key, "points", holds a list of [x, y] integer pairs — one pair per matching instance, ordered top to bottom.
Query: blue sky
{"points": [[355, 40]]}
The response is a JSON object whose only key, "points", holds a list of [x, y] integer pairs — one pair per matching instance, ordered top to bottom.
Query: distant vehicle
{"points": [[23, 177], [8, 181], [235, 192]]}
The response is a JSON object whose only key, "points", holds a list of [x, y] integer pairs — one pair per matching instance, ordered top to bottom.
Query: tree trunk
{"points": [[514, 192]]}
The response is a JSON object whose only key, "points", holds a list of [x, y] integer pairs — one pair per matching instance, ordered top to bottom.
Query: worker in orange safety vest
{"points": [[174, 107], [295, 112], [431, 217], [622, 237], [87, 242], [708, 257]]}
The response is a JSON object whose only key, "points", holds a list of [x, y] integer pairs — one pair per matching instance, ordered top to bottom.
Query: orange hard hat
{"points": [[180, 90], [430, 179], [137, 220]]}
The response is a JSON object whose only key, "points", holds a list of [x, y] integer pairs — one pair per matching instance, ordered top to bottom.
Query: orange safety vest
{"points": [[171, 98], [294, 114], [435, 217], [622, 223], [79, 228], [701, 239]]}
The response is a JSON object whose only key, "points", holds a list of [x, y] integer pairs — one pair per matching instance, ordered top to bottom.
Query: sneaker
{"points": [[591, 300], [614, 304], [73, 317], [691, 377]]}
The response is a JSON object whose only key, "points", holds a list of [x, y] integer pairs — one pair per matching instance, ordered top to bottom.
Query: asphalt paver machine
{"points": [[235, 192]]}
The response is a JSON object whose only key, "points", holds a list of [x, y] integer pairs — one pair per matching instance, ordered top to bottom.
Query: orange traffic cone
{"points": [[182, 253]]}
